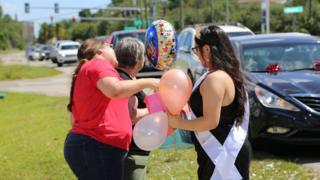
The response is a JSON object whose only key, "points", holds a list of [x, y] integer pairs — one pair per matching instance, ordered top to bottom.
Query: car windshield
{"points": [[234, 34], [139, 35], [69, 47], [44, 48], [289, 57]]}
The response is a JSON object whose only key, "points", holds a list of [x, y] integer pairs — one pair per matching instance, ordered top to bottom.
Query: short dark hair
{"points": [[129, 52]]}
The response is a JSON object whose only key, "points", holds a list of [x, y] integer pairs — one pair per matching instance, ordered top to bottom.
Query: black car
{"points": [[148, 69], [283, 81]]}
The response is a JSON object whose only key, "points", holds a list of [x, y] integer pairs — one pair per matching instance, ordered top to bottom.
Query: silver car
{"points": [[188, 61]]}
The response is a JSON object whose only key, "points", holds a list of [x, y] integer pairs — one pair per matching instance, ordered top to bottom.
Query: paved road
{"points": [[51, 86], [308, 156]]}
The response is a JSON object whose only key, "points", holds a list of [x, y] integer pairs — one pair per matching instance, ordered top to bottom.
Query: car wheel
{"points": [[54, 60], [59, 64]]}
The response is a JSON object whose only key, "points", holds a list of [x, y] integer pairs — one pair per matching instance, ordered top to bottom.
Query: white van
{"points": [[66, 52]]}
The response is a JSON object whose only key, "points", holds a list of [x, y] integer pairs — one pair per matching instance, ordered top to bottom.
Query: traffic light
{"points": [[26, 8], [56, 8], [129, 13]]}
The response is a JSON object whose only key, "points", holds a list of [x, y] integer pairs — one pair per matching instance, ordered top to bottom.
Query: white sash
{"points": [[224, 156]]}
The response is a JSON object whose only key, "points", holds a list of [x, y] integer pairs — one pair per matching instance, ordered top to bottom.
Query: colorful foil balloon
{"points": [[161, 44]]}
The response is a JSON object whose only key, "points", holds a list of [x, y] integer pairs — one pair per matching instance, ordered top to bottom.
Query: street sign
{"points": [[293, 9], [137, 22], [130, 28]]}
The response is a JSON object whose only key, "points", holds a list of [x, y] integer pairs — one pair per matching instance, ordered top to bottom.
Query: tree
{"points": [[1, 11], [85, 13], [102, 28], [59, 31], [82, 31], [10, 32], [43, 34]]}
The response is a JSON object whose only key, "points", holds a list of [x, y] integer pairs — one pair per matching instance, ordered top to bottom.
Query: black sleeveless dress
{"points": [[227, 118]]}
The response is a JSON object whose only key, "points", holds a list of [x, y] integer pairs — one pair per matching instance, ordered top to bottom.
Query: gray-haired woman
{"points": [[130, 54]]}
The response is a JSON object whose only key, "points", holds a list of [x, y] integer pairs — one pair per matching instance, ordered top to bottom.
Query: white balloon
{"points": [[150, 132]]}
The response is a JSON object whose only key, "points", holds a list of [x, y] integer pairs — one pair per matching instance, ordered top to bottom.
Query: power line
{"points": [[60, 15], [107, 19]]}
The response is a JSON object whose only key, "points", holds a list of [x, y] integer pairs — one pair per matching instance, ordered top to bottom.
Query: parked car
{"points": [[45, 51], [54, 51], [28, 52], [36, 52], [67, 52], [187, 60], [148, 69], [283, 81]]}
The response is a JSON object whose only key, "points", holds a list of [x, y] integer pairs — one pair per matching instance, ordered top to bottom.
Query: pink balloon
{"points": [[175, 89], [150, 132]]}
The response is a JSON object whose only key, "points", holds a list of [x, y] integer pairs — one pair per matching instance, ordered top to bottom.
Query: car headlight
{"points": [[271, 100]]}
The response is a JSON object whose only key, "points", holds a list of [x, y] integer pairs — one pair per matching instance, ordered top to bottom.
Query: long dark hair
{"points": [[86, 52], [224, 58]]}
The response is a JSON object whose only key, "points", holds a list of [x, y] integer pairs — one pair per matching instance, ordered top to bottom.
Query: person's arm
{"points": [[115, 88], [213, 92], [141, 112], [136, 113]]}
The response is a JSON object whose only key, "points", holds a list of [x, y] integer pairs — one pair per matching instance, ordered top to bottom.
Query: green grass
{"points": [[9, 51], [14, 72], [33, 129], [32, 132], [182, 164]]}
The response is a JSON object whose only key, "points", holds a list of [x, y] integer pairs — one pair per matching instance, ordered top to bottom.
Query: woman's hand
{"points": [[154, 83], [173, 120]]}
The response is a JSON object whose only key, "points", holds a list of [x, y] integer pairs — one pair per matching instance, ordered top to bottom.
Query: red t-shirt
{"points": [[96, 115]]}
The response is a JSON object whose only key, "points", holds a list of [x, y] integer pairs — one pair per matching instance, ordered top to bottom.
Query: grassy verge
{"points": [[9, 51], [14, 72], [32, 133], [182, 164]]}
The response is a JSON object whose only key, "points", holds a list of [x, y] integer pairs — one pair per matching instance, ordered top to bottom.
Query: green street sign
{"points": [[293, 9], [137, 22], [130, 28]]}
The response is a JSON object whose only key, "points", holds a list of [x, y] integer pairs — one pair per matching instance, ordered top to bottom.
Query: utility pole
{"points": [[134, 3], [310, 5], [211, 7], [154, 10], [197, 10], [227, 11], [146, 13], [181, 14], [265, 16]]}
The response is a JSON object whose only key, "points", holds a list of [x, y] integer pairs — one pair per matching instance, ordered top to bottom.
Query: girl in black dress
{"points": [[220, 110]]}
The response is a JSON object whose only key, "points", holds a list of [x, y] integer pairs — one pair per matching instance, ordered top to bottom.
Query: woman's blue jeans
{"points": [[93, 160]]}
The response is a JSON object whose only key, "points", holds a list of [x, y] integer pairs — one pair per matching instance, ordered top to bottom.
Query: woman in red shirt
{"points": [[101, 132]]}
